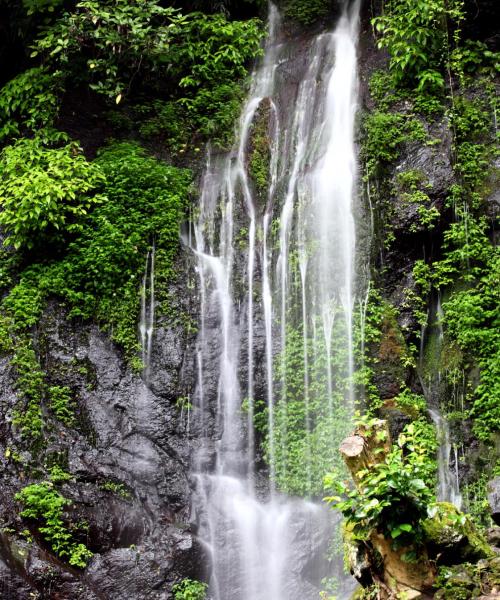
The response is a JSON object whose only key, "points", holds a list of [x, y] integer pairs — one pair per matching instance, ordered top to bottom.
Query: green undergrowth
{"points": [[98, 274]]}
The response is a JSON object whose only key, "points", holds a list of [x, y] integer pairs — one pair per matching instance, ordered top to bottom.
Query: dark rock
{"points": [[396, 419], [493, 536]]}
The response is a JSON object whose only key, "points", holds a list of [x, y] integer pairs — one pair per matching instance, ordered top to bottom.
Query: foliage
{"points": [[41, 6], [306, 12], [415, 32], [108, 42], [116, 46], [29, 102], [213, 113], [384, 134], [260, 153], [45, 193], [98, 275], [473, 318], [413, 404], [310, 421], [59, 475], [116, 488], [392, 496], [43, 503], [189, 589]]}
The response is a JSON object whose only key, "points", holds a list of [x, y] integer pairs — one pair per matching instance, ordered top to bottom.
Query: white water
{"points": [[147, 317], [263, 544]]}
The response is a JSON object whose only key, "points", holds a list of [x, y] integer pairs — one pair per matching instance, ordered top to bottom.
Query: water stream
{"points": [[275, 340]]}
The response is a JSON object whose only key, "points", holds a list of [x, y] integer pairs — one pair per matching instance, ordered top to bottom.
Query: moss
{"points": [[449, 528], [466, 581]]}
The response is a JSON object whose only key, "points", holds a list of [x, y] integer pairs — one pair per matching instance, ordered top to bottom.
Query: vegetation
{"points": [[45, 192], [392, 496], [45, 505], [189, 589]]}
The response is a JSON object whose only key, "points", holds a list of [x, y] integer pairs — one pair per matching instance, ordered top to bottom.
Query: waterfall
{"points": [[274, 352]]}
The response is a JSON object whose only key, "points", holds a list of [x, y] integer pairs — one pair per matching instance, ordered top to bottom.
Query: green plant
{"points": [[416, 33], [118, 46], [29, 102], [384, 133], [45, 193], [97, 276], [30, 387], [59, 475], [116, 488], [391, 496], [42, 503], [189, 589]]}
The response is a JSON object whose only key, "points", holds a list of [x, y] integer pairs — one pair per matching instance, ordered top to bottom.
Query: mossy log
{"points": [[363, 450]]}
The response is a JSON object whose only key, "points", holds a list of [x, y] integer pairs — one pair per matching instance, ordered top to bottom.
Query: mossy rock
{"points": [[259, 156], [453, 538]]}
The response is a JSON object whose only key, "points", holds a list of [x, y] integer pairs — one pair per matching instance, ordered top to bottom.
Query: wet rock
{"points": [[396, 419], [128, 456], [494, 499], [493, 536]]}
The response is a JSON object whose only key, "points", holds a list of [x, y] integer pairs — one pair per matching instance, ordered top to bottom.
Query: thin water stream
{"points": [[276, 272], [432, 380]]}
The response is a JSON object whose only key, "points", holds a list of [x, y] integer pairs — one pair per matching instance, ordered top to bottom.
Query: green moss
{"points": [[260, 153], [30, 387], [62, 404], [448, 526]]}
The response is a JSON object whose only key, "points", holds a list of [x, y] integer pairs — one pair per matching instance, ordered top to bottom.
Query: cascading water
{"points": [[276, 280], [147, 318], [448, 489]]}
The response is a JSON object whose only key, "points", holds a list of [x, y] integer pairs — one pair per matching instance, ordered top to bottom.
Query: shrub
{"points": [[416, 34], [45, 193], [392, 496]]}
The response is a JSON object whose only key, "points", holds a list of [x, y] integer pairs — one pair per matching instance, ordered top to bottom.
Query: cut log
{"points": [[366, 447]]}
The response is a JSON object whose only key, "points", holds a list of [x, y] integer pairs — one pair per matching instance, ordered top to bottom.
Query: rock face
{"points": [[129, 456]]}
